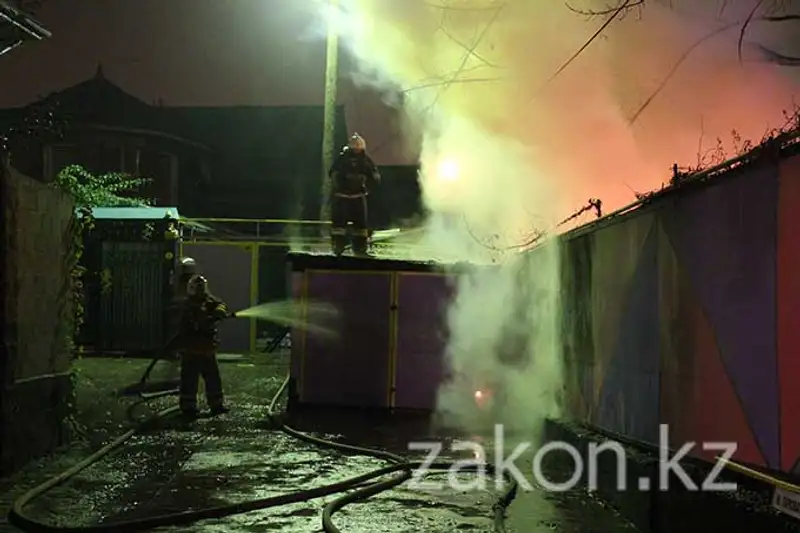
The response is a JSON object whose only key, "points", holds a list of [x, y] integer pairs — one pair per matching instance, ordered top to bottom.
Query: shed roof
{"points": [[135, 213]]}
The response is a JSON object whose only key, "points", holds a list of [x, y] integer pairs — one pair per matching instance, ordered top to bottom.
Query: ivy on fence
{"points": [[88, 191]]}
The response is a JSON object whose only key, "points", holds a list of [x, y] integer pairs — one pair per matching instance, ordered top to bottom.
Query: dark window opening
{"points": [[62, 156], [109, 159], [156, 167]]}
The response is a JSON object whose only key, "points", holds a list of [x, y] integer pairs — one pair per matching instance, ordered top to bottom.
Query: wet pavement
{"points": [[180, 466]]}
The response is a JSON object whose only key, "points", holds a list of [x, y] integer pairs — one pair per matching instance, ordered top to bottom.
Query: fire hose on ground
{"points": [[360, 487]]}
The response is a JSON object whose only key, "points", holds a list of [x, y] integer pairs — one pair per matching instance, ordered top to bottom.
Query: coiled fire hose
{"points": [[361, 487]]}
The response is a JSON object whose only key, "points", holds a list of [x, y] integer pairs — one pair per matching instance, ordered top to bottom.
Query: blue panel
{"points": [[629, 401]]}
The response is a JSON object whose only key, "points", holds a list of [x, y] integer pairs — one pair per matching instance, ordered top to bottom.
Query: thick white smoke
{"points": [[507, 148]]}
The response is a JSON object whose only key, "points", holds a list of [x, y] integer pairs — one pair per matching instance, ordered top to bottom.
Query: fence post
{"points": [[254, 260], [394, 301], [5, 349]]}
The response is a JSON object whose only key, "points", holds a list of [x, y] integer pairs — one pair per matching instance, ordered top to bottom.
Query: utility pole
{"points": [[329, 121]]}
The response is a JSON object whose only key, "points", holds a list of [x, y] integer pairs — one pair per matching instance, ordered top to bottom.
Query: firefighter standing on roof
{"points": [[352, 174], [198, 342]]}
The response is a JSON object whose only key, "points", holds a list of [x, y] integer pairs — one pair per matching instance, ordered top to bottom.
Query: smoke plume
{"points": [[515, 132]]}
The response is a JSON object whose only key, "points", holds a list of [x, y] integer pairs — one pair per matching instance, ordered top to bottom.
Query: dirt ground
{"points": [[178, 466]]}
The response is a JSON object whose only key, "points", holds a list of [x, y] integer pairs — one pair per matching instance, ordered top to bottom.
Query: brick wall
{"points": [[36, 386]]}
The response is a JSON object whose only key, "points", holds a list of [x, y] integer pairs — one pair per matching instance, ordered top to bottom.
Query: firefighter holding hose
{"points": [[352, 174], [187, 267], [197, 342]]}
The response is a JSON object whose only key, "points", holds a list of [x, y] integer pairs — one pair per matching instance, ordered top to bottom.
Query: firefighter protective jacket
{"points": [[352, 173], [199, 326]]}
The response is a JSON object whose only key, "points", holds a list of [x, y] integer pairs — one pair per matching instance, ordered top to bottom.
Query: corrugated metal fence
{"points": [[131, 297]]}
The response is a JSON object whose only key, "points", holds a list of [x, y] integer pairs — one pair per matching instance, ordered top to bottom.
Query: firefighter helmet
{"points": [[357, 143], [188, 266], [197, 285]]}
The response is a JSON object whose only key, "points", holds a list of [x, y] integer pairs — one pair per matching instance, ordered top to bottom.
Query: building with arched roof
{"points": [[239, 161]]}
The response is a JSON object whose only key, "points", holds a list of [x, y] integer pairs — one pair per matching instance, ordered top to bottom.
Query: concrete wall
{"points": [[36, 296]]}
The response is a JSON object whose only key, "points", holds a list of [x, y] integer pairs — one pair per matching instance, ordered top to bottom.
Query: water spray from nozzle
{"points": [[320, 318]]}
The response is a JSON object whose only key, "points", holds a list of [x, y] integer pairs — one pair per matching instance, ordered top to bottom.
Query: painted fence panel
{"points": [[297, 288], [693, 307], [788, 307], [625, 318], [421, 338], [352, 368]]}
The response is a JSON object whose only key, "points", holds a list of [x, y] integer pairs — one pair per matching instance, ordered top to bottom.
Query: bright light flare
{"points": [[448, 170], [482, 398]]}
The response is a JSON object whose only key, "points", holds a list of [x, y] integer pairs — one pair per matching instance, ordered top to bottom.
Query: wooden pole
{"points": [[329, 121]]}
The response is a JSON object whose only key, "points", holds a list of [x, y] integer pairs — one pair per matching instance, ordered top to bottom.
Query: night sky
{"points": [[192, 52]]}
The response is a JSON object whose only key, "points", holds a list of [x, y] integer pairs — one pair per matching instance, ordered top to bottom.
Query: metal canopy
{"points": [[17, 28], [135, 213]]}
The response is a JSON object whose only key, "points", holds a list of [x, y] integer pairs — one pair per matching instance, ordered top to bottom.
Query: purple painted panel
{"points": [[725, 240], [228, 271], [296, 290], [421, 338], [352, 369]]}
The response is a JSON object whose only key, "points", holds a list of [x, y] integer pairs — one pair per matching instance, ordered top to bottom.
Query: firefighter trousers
{"points": [[349, 210], [193, 367]]}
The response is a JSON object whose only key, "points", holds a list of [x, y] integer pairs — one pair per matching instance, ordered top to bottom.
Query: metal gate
{"points": [[232, 272], [131, 300]]}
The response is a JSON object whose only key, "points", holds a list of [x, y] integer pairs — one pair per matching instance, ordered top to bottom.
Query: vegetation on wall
{"points": [[88, 190], [100, 190]]}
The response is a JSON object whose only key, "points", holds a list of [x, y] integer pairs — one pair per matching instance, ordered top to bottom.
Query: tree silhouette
{"points": [[771, 11]]}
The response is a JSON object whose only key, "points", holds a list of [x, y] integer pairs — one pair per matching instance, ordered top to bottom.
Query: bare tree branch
{"points": [[445, 7], [608, 11], [614, 13], [780, 18], [740, 43], [470, 50], [772, 56], [779, 59], [675, 68], [454, 78], [450, 82], [536, 234]]}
